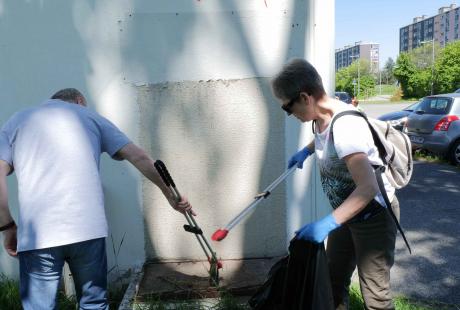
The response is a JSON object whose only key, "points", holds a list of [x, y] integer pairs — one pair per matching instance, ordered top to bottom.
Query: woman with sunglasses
{"points": [[360, 234]]}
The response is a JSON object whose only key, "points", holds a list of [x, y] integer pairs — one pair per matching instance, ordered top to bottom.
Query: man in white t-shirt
{"points": [[55, 150], [360, 232]]}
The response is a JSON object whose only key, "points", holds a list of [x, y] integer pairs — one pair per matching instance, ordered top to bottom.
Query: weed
{"points": [[397, 95], [425, 155], [9, 294], [10, 298], [228, 302], [400, 302]]}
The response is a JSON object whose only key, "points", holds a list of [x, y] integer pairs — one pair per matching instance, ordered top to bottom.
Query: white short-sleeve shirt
{"points": [[351, 135], [55, 150]]}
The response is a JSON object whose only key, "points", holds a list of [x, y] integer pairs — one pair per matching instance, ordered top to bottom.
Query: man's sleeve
{"points": [[352, 135], [112, 138], [6, 153]]}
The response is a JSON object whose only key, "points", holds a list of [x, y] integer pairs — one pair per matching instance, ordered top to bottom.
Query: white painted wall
{"points": [[109, 48], [305, 198]]}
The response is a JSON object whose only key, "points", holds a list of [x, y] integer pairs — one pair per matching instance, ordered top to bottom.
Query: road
{"points": [[377, 109], [430, 216]]}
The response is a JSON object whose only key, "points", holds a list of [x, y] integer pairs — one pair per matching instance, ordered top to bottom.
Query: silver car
{"points": [[435, 126]]}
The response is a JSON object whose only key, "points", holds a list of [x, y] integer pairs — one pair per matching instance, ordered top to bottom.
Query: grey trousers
{"points": [[368, 245]]}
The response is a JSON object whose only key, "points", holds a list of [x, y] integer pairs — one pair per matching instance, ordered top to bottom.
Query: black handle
{"points": [[164, 173]]}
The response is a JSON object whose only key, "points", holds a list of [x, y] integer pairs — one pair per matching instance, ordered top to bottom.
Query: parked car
{"points": [[458, 90], [343, 96], [398, 119], [435, 126]]}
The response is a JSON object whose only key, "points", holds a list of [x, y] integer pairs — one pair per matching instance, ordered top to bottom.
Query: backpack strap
{"points": [[375, 136], [378, 169]]}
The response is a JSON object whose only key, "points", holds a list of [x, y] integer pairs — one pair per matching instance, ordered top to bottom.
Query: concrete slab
{"points": [[190, 279]]}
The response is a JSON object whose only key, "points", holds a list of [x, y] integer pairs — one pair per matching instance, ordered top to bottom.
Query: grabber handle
{"points": [[166, 177], [259, 198]]}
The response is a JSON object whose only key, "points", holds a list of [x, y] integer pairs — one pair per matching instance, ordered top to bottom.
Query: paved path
{"points": [[379, 98], [377, 109], [430, 216]]}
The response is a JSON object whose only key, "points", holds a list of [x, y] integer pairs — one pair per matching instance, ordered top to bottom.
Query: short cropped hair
{"points": [[297, 76], [68, 95]]}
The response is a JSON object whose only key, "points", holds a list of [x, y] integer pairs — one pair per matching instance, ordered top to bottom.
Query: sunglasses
{"points": [[288, 106]]}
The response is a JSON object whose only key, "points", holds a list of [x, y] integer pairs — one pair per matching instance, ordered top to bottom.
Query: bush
{"points": [[398, 95]]}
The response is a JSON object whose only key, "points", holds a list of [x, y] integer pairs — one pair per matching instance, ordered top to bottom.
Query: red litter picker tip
{"points": [[192, 226], [220, 234]]}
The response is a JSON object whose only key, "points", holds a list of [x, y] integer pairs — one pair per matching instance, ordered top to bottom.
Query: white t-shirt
{"points": [[351, 135], [55, 151]]}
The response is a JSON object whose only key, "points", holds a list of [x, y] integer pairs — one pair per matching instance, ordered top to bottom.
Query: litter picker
{"points": [[192, 226], [220, 234]]}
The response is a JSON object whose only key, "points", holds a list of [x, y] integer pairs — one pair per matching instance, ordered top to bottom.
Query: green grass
{"points": [[386, 89], [424, 155], [427, 156], [9, 296], [9, 299], [227, 302], [400, 302]]}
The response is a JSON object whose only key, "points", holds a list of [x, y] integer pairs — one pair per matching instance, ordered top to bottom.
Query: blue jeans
{"points": [[41, 270]]}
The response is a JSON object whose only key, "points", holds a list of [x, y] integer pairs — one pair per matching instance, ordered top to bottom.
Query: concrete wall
{"points": [[187, 80], [222, 141]]}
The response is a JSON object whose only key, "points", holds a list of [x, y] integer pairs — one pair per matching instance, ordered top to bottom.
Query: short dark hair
{"points": [[297, 76], [67, 94]]}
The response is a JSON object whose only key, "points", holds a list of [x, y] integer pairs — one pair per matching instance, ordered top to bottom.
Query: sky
{"points": [[379, 21]]}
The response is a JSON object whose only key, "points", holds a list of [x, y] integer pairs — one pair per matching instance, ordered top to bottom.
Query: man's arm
{"points": [[145, 164], [5, 216], [9, 234]]}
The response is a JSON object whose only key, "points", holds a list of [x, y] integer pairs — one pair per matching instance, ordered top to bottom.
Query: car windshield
{"points": [[435, 105], [412, 107]]}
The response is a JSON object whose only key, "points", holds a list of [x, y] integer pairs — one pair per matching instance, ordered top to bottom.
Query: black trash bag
{"points": [[299, 281], [270, 295]]}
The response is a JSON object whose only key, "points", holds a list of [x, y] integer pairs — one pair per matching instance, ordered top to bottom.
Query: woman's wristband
{"points": [[8, 226]]}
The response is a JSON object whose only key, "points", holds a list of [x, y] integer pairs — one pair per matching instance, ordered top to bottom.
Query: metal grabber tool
{"points": [[192, 226], [220, 234]]}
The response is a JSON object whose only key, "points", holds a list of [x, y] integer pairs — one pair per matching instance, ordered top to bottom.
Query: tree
{"points": [[447, 69], [413, 70], [403, 71], [387, 73], [344, 79]]}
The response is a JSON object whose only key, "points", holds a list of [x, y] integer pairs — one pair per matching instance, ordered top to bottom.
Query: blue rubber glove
{"points": [[299, 157], [317, 231]]}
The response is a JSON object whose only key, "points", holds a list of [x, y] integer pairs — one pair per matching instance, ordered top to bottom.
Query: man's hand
{"points": [[299, 157], [181, 206], [319, 230], [10, 241]]}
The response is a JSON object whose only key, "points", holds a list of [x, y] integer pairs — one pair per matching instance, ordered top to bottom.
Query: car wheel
{"points": [[455, 153]]}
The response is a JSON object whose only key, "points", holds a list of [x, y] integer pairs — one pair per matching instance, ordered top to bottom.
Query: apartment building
{"points": [[443, 28], [346, 55]]}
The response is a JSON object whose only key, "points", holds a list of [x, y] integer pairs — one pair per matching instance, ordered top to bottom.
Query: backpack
{"points": [[394, 148], [395, 151]]}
